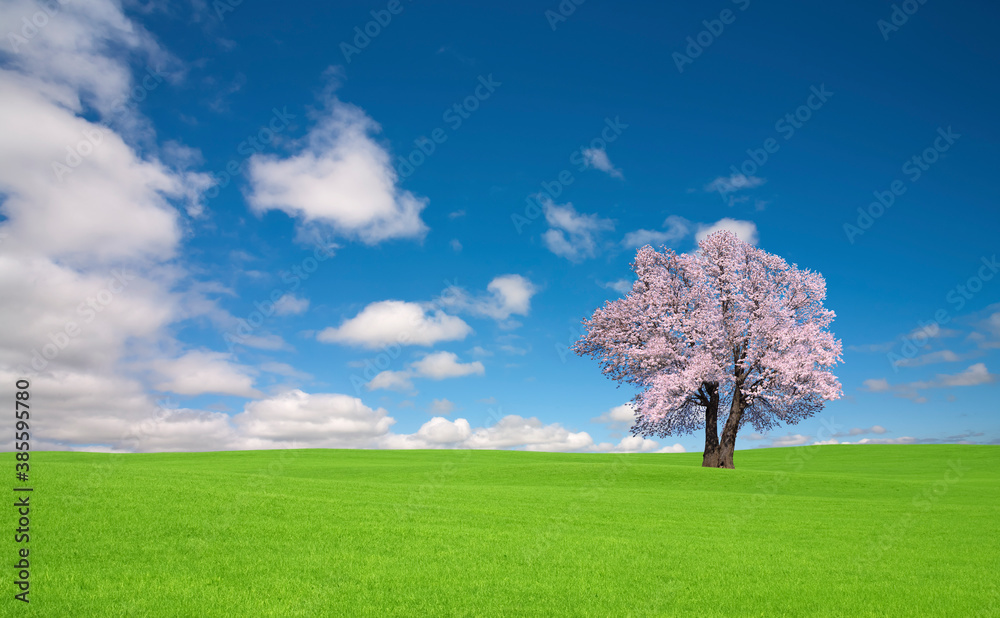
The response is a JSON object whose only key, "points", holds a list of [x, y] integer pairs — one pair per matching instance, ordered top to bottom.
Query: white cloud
{"points": [[73, 49], [597, 158], [341, 178], [735, 182], [84, 190], [113, 206], [677, 227], [744, 230], [572, 235], [456, 245], [622, 286], [506, 295], [289, 304], [391, 322], [930, 331], [265, 342], [442, 365], [435, 366], [284, 369], [199, 372], [974, 375], [392, 381], [879, 385], [442, 407], [621, 417], [303, 418], [440, 430], [858, 431], [529, 433], [790, 440], [900, 440], [637, 444], [676, 448]]}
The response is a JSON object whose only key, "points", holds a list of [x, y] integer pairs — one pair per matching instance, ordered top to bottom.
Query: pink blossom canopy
{"points": [[729, 314]]}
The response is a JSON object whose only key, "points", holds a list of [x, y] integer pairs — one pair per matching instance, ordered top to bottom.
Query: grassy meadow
{"points": [[808, 531]]}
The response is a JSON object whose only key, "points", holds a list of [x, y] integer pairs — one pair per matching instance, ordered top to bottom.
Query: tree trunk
{"points": [[728, 443], [711, 456]]}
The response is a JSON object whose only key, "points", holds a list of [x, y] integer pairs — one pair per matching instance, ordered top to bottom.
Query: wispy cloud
{"points": [[598, 159], [735, 182], [675, 228], [572, 235], [974, 375]]}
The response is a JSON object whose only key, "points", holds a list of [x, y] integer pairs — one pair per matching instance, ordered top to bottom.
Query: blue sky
{"points": [[444, 198]]}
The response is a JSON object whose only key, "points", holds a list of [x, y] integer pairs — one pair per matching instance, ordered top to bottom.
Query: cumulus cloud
{"points": [[597, 158], [341, 178], [92, 217], [675, 228], [744, 230], [572, 235], [506, 295], [391, 322], [442, 365], [435, 366], [199, 372], [299, 417], [618, 417], [440, 430], [528, 433], [636, 444], [675, 448]]}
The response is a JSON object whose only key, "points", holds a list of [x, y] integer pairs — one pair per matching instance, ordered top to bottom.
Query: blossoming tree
{"points": [[726, 325]]}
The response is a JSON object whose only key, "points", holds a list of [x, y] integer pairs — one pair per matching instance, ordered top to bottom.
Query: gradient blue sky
{"points": [[684, 127]]}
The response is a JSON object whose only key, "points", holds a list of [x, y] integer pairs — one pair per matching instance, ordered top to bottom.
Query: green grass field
{"points": [[807, 531]]}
